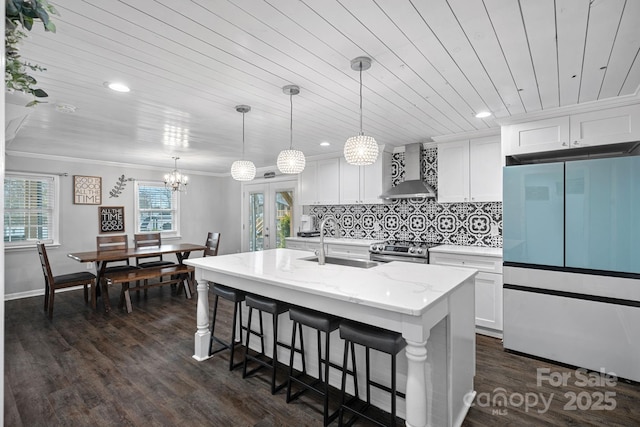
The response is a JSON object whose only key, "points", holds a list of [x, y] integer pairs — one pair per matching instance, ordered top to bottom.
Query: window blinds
{"points": [[29, 203]]}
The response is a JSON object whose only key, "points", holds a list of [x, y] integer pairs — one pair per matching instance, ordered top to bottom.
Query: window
{"points": [[30, 209], [156, 209]]}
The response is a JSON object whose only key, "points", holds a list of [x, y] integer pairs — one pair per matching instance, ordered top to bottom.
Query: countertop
{"points": [[335, 241], [467, 250], [401, 287]]}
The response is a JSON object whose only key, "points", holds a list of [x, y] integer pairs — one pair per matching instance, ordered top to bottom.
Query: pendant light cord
{"points": [[291, 122], [361, 132], [243, 136]]}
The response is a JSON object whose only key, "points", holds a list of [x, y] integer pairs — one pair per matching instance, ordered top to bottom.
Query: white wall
{"points": [[211, 204]]}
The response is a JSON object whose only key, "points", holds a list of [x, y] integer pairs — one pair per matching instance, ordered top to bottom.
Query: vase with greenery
{"points": [[20, 15]]}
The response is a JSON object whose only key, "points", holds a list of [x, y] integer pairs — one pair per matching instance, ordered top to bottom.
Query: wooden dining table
{"points": [[102, 258]]}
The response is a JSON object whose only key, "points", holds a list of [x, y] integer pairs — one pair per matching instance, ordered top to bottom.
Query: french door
{"points": [[268, 214]]}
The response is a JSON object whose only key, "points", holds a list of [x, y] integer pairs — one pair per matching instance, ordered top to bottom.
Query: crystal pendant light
{"points": [[361, 150], [291, 161], [243, 170], [175, 179]]}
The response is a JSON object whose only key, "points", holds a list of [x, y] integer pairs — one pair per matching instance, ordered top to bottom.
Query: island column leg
{"points": [[203, 333], [416, 399]]}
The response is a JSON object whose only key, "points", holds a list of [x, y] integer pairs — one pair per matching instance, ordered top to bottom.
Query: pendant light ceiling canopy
{"points": [[361, 150], [291, 161], [243, 170]]}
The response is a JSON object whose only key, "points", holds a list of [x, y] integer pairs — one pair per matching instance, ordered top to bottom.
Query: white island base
{"points": [[431, 306]]}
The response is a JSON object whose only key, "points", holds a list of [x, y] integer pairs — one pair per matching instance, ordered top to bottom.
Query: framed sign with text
{"points": [[87, 190], [111, 219]]}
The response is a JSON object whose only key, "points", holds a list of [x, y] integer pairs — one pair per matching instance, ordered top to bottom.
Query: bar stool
{"points": [[236, 297], [275, 308], [321, 322], [379, 339]]}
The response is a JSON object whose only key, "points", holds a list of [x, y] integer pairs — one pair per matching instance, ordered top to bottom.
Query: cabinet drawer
{"points": [[480, 263]]}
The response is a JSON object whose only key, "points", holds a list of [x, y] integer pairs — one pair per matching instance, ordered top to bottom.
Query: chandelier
{"points": [[361, 150], [291, 161], [243, 170], [175, 179]]}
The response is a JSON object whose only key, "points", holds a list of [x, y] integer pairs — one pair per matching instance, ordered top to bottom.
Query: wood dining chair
{"points": [[149, 240], [115, 243], [212, 244], [51, 282]]}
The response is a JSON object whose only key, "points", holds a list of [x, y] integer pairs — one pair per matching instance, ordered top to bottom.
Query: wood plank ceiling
{"points": [[189, 63]]}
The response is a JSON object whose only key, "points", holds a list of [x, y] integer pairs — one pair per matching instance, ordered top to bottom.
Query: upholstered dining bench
{"points": [[179, 273]]}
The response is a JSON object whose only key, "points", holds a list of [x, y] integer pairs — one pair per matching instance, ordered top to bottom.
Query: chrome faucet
{"points": [[321, 252]]}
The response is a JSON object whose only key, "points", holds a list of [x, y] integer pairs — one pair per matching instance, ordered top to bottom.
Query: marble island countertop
{"points": [[400, 287]]}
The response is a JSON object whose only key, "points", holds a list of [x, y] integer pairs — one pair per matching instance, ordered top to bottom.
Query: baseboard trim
{"points": [[35, 293]]}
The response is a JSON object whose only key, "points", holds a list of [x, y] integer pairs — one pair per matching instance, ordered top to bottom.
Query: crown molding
{"points": [[585, 107], [468, 135]]}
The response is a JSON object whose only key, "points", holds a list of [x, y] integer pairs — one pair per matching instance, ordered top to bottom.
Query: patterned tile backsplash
{"points": [[466, 224]]}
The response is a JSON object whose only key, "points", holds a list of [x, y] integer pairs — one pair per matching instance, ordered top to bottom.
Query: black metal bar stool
{"points": [[236, 296], [275, 308], [321, 322], [379, 339]]}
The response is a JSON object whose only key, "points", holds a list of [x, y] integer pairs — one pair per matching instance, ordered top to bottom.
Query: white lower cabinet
{"points": [[301, 246], [488, 283]]}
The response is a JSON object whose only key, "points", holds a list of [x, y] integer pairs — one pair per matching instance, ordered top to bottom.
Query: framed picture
{"points": [[87, 190], [111, 219]]}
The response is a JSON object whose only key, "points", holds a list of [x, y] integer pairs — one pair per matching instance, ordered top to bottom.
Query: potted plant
{"points": [[20, 15]]}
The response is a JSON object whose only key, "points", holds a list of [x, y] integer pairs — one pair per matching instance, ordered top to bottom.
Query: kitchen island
{"points": [[432, 306]]}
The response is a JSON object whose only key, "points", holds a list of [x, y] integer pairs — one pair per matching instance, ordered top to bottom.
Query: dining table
{"points": [[103, 257]]}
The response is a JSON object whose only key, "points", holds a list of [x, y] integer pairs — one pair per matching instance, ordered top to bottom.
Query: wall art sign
{"points": [[87, 190], [111, 219]]}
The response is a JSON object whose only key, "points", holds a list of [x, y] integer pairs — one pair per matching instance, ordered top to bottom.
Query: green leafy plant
{"points": [[19, 15]]}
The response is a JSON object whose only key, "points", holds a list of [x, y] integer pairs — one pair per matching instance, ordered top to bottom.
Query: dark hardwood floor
{"points": [[91, 368]]}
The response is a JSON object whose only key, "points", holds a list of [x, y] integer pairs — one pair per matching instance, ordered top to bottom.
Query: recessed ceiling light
{"points": [[118, 87], [483, 114], [325, 144]]}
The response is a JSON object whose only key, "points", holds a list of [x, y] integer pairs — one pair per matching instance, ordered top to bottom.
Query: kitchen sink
{"points": [[349, 262]]}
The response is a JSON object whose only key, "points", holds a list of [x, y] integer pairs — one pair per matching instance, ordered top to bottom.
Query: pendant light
{"points": [[361, 150], [291, 161], [243, 170], [175, 179]]}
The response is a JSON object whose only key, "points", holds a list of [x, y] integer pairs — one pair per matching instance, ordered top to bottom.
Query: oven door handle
{"points": [[389, 258]]}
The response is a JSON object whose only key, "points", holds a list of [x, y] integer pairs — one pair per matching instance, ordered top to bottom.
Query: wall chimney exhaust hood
{"points": [[413, 187]]}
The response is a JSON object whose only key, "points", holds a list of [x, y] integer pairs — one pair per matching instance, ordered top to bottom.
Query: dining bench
{"points": [[179, 273]]}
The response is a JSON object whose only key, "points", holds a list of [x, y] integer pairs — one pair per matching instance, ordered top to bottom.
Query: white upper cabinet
{"points": [[607, 126], [470, 170], [319, 183], [364, 184]]}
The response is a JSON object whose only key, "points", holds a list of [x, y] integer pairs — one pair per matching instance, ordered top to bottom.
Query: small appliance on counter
{"points": [[308, 226]]}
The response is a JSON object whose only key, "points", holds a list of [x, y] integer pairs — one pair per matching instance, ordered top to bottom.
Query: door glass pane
{"points": [[283, 207], [256, 221]]}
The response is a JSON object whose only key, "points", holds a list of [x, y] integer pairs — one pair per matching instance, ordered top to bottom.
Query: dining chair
{"points": [[149, 240], [213, 241], [115, 243], [51, 282]]}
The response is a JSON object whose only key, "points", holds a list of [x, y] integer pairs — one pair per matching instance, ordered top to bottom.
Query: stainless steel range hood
{"points": [[413, 187]]}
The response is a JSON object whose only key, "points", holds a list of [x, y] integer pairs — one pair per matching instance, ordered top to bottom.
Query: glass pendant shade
{"points": [[361, 150], [291, 161], [243, 170], [175, 179]]}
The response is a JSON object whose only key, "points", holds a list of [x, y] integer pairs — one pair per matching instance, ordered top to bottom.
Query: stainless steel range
{"points": [[399, 250]]}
